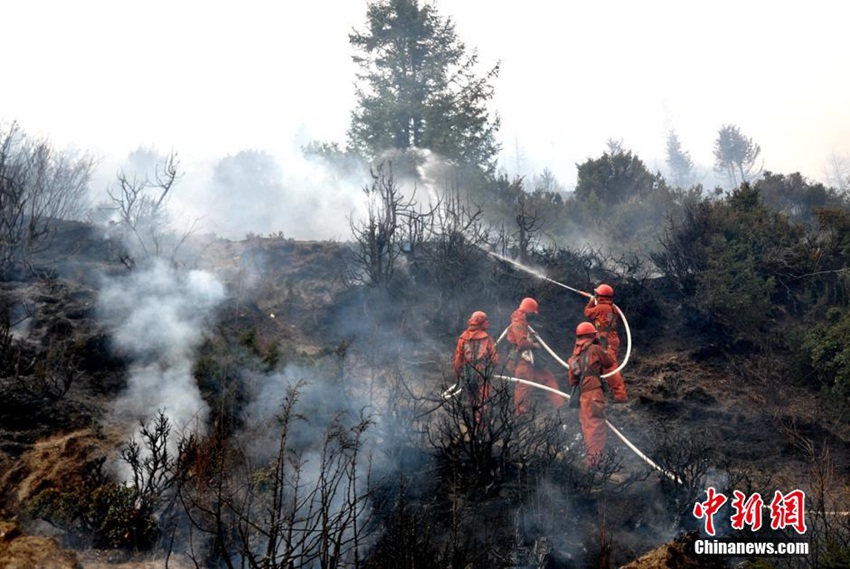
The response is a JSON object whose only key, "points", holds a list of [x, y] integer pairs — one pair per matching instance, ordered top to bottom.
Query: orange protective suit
{"points": [[600, 311], [519, 336], [475, 361], [585, 367]]}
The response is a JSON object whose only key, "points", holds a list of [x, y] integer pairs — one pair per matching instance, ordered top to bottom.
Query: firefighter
{"points": [[600, 311], [521, 358], [476, 360], [585, 370]]}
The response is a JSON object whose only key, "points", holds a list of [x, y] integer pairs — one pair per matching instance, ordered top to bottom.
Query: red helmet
{"points": [[604, 290], [528, 305], [479, 319], [585, 329]]}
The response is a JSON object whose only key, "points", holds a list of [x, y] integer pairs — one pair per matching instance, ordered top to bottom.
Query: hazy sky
{"points": [[212, 78]]}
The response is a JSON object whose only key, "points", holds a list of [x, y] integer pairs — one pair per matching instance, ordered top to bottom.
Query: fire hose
{"points": [[581, 292], [563, 363], [455, 389], [620, 435]]}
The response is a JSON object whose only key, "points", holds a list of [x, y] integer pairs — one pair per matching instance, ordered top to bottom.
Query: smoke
{"points": [[251, 192], [157, 315], [19, 318], [323, 400], [302, 422]]}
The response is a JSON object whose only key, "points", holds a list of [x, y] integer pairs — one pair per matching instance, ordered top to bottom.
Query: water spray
{"points": [[535, 273], [581, 292], [455, 389]]}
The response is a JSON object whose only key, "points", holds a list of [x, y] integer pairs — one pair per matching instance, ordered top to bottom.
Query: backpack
{"points": [[475, 353], [477, 365], [578, 367]]}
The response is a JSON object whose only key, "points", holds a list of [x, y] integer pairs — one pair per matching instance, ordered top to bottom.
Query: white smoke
{"points": [[253, 191], [269, 192], [158, 315], [318, 442]]}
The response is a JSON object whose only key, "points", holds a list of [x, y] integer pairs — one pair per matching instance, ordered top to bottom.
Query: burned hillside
{"points": [[475, 328], [273, 399]]}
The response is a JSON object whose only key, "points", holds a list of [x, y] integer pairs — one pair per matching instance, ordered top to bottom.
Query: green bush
{"points": [[731, 259], [731, 289], [828, 350], [111, 514], [115, 514], [120, 519]]}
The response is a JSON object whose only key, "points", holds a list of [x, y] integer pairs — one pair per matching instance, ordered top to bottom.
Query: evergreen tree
{"points": [[419, 88], [735, 156], [679, 161], [837, 171], [615, 177], [547, 182]]}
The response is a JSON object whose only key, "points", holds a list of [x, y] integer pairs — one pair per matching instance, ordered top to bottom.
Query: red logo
{"points": [[786, 510]]}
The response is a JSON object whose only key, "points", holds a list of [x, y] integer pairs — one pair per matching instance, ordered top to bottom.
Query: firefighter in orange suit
{"points": [[601, 312], [521, 358], [476, 360], [585, 370]]}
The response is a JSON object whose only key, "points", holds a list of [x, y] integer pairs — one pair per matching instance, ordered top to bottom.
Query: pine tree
{"points": [[418, 87], [735, 155], [679, 161], [614, 177]]}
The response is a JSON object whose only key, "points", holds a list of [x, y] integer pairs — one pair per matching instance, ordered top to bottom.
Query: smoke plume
{"points": [[157, 316]]}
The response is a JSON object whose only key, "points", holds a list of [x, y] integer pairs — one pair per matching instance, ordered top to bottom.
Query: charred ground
{"points": [[710, 410]]}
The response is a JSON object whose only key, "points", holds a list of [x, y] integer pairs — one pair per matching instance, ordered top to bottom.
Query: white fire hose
{"points": [[581, 292], [563, 363], [456, 389], [616, 431], [620, 435]]}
